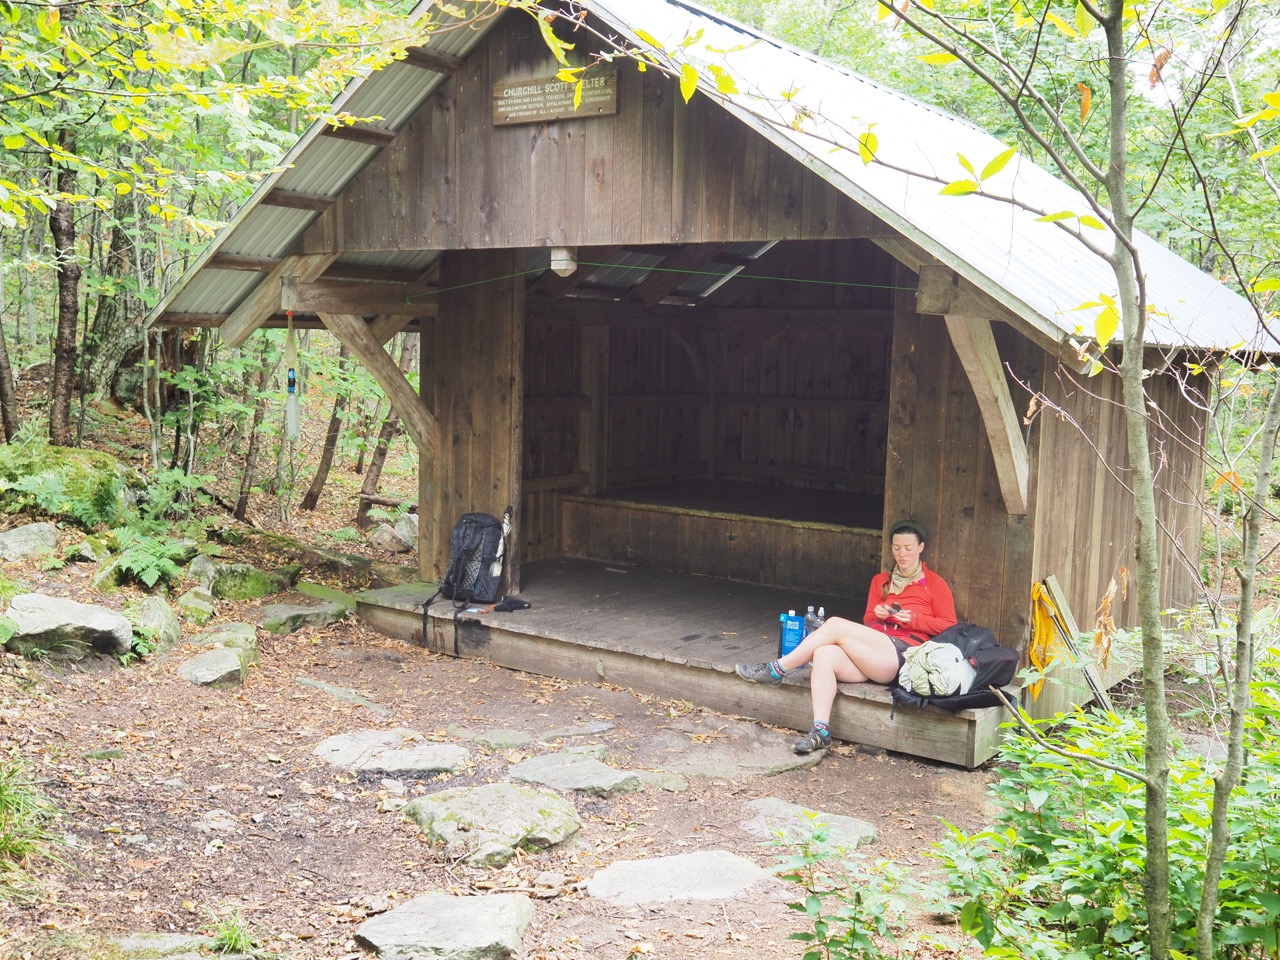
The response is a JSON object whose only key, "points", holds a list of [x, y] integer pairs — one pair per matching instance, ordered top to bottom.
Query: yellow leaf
{"points": [[1084, 20], [1061, 24], [938, 59], [688, 81], [725, 84], [577, 95], [1086, 100], [120, 123], [14, 141], [868, 143], [998, 163], [123, 188], [959, 188], [1092, 222], [1106, 325], [1230, 478]]}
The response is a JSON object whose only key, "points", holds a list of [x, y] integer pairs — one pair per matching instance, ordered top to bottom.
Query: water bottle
{"points": [[822, 616], [811, 621], [792, 632]]}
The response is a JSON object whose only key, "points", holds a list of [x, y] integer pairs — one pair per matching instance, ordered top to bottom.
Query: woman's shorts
{"points": [[902, 647]]}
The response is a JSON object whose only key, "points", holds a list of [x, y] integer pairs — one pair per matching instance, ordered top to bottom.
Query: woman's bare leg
{"points": [[870, 653]]}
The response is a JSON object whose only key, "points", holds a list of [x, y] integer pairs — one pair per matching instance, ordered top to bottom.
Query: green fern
{"points": [[147, 558]]}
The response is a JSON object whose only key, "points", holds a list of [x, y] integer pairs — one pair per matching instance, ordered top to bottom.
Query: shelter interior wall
{"points": [[653, 173], [782, 384]]}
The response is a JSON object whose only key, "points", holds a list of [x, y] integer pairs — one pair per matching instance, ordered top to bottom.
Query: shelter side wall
{"points": [[655, 172], [473, 359], [941, 470], [1085, 522]]}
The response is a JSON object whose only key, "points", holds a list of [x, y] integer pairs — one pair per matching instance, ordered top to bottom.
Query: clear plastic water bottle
{"points": [[822, 616], [811, 621]]}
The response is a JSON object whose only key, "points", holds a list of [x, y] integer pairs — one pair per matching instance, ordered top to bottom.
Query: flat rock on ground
{"points": [[288, 617], [65, 630], [219, 667], [722, 747], [398, 752], [576, 770], [775, 819], [485, 825], [705, 875], [441, 927]]}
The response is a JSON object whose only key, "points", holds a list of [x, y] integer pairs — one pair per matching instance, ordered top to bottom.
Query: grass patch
{"points": [[26, 816]]}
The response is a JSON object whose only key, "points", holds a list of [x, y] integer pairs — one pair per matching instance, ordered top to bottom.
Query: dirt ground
{"points": [[307, 853]]}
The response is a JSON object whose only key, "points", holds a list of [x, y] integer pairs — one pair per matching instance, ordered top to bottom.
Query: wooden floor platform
{"points": [[675, 635]]}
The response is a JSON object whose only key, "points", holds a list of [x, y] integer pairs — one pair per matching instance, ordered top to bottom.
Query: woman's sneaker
{"points": [[758, 673], [815, 739]]}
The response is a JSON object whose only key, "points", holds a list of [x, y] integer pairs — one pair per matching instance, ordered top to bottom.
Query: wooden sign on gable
{"points": [[544, 99]]}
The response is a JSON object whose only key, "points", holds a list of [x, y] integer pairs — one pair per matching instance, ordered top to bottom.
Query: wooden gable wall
{"points": [[654, 173]]}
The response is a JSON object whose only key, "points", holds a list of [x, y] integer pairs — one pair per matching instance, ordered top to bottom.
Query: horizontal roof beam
{"points": [[429, 59], [365, 133], [296, 200], [357, 297], [264, 301], [279, 321]]}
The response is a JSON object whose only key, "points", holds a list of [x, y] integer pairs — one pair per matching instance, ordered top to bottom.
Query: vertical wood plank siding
{"points": [[643, 176]]}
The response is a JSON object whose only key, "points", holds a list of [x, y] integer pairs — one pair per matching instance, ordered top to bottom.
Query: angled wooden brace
{"points": [[264, 301], [352, 331], [975, 344]]}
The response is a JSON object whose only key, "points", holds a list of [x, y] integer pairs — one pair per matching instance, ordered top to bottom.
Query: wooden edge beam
{"points": [[429, 59], [365, 133], [296, 200], [234, 261], [673, 271], [357, 297], [264, 300], [352, 331], [976, 346]]}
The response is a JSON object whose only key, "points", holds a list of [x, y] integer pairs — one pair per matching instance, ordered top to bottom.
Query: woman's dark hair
{"points": [[909, 526]]}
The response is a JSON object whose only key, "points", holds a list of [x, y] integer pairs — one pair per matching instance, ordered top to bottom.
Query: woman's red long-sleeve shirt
{"points": [[928, 600]]}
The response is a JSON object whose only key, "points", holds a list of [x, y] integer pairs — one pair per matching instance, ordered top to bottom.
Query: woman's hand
{"points": [[881, 611], [902, 616]]}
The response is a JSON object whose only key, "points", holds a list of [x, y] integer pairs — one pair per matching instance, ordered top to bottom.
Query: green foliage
{"points": [[84, 486], [343, 535], [150, 559], [7, 629], [26, 817], [1060, 873], [858, 910], [232, 934]]}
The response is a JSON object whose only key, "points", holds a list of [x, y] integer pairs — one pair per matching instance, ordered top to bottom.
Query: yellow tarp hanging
{"points": [[1045, 639]]}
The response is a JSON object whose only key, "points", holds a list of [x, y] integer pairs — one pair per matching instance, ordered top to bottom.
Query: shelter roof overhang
{"points": [[1033, 275]]}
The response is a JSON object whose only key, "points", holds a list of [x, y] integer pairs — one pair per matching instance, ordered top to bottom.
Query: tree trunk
{"points": [[62, 226], [116, 333], [8, 396], [390, 429], [363, 432], [312, 496], [241, 512]]}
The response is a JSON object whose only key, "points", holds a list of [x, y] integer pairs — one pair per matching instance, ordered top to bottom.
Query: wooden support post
{"points": [[255, 309], [354, 333]]}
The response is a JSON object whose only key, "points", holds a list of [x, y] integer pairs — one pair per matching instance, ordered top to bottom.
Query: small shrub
{"points": [[150, 559], [1060, 873], [858, 910], [232, 934]]}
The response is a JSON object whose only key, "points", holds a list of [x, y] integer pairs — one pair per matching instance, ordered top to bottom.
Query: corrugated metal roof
{"points": [[316, 165], [1036, 269]]}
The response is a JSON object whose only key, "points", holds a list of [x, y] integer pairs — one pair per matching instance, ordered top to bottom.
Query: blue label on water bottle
{"points": [[791, 634]]}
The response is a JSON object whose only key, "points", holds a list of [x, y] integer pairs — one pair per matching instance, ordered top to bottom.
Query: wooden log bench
{"points": [[822, 542], [576, 630]]}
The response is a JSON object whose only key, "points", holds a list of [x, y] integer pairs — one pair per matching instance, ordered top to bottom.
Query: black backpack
{"points": [[474, 571], [995, 666]]}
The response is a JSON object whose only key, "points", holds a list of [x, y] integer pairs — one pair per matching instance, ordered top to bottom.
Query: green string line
{"points": [[661, 269]]}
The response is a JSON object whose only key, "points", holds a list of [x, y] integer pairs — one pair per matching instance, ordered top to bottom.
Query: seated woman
{"points": [[905, 607]]}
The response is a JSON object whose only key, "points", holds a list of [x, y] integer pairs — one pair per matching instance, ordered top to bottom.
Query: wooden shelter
{"points": [[681, 339]]}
